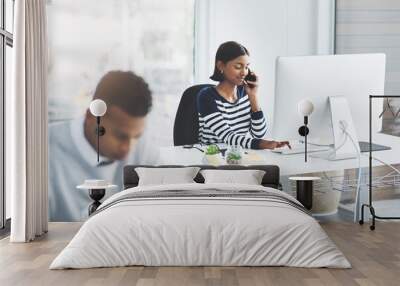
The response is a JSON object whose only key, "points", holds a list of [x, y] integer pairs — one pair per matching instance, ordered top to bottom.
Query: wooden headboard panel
{"points": [[270, 179]]}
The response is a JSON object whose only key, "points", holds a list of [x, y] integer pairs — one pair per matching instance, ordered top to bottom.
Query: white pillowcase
{"points": [[165, 176], [248, 177]]}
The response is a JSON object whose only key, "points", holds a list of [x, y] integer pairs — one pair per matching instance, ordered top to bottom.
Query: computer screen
{"points": [[354, 77]]}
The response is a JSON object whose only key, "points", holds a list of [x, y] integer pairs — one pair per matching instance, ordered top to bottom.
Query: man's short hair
{"points": [[125, 90]]}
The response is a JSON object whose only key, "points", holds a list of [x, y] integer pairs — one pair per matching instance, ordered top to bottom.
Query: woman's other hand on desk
{"points": [[265, 144]]}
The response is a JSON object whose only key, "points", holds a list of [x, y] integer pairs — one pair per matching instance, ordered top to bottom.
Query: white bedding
{"points": [[200, 231]]}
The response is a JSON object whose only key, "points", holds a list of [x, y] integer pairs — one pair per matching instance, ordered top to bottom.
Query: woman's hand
{"points": [[251, 88], [265, 144]]}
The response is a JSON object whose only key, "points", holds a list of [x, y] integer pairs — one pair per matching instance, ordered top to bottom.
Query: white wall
{"points": [[371, 26], [268, 29]]}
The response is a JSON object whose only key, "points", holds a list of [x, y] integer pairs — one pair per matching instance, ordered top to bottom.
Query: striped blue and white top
{"points": [[221, 121]]}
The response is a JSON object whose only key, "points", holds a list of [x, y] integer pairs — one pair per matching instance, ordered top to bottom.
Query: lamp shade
{"points": [[98, 107], [305, 107]]}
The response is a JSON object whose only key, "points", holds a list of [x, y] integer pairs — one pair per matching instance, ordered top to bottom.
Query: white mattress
{"points": [[200, 231]]}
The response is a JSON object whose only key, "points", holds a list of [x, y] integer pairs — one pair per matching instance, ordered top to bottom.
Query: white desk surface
{"points": [[290, 164]]}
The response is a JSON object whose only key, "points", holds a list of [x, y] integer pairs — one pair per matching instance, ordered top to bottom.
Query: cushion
{"points": [[163, 176], [248, 177]]}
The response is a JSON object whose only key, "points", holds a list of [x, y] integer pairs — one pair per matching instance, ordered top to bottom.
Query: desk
{"points": [[294, 164]]}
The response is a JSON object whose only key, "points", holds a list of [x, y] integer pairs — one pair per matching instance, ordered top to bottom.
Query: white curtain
{"points": [[26, 118]]}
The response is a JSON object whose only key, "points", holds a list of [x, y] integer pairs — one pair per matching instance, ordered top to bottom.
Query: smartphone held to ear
{"points": [[250, 77]]}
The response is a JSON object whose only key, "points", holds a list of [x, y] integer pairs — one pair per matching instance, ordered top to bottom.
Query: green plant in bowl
{"points": [[212, 149], [212, 155], [234, 156]]}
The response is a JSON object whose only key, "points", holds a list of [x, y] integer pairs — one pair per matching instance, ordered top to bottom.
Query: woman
{"points": [[230, 113]]}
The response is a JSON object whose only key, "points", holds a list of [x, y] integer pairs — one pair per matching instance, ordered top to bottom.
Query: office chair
{"points": [[186, 125]]}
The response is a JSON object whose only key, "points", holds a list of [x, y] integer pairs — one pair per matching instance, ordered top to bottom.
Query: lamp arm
{"points": [[100, 131], [98, 138], [305, 138]]}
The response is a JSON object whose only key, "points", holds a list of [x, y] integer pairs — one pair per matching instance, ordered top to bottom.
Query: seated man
{"points": [[73, 144]]}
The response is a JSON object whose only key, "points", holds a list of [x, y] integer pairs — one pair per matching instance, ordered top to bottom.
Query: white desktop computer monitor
{"points": [[354, 77]]}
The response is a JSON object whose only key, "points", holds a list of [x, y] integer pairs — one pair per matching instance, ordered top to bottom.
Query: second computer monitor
{"points": [[318, 77]]}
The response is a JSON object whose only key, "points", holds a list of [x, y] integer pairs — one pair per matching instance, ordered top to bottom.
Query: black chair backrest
{"points": [[186, 125]]}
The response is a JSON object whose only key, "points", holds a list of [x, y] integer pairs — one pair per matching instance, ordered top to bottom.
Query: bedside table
{"points": [[97, 190], [304, 190]]}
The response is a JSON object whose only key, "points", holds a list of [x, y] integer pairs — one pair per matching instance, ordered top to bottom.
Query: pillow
{"points": [[163, 176], [248, 177]]}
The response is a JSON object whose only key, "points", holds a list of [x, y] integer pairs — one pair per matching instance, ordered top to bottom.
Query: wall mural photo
{"points": [[130, 69]]}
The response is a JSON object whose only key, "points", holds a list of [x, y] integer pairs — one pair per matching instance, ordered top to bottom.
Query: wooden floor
{"points": [[374, 255]]}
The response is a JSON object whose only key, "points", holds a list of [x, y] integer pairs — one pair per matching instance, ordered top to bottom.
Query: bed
{"points": [[198, 224]]}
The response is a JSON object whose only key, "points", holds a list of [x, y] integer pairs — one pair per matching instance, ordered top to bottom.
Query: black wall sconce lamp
{"points": [[98, 108], [305, 108]]}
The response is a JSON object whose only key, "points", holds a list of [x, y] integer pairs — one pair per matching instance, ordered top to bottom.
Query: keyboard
{"points": [[299, 148]]}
